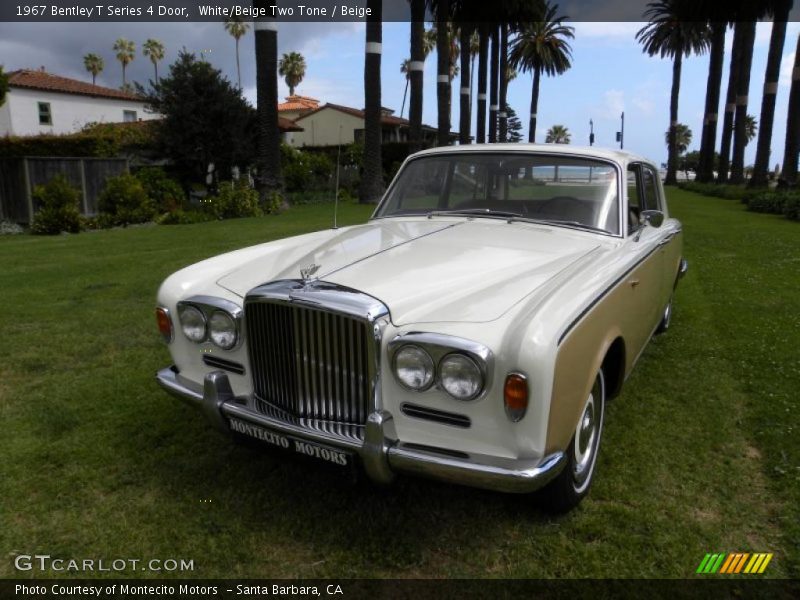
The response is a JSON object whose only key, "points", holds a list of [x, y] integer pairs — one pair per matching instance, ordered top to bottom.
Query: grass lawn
{"points": [[701, 451]]}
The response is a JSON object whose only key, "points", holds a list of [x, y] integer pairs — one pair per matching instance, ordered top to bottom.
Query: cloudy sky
{"points": [[610, 74]]}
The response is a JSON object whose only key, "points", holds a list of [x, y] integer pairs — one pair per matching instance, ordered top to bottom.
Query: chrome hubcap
{"points": [[587, 436]]}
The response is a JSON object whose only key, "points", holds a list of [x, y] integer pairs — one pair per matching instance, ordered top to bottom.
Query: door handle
{"points": [[634, 282]]}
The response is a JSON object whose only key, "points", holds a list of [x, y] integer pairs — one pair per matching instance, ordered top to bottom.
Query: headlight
{"points": [[193, 323], [222, 330], [413, 368], [460, 376]]}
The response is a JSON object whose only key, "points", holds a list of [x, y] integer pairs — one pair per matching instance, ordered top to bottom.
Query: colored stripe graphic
{"points": [[734, 563]]}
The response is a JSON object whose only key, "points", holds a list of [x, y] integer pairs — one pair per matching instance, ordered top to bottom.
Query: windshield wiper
{"points": [[476, 212], [577, 224]]}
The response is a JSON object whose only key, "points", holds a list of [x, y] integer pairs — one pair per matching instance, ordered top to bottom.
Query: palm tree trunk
{"points": [[483, 66], [238, 67], [155, 68], [415, 72], [443, 72], [771, 76], [94, 79], [124, 81], [493, 84], [742, 89], [405, 95], [730, 104], [534, 105], [465, 118], [503, 122], [708, 140], [792, 147], [268, 154], [672, 155], [372, 179]]}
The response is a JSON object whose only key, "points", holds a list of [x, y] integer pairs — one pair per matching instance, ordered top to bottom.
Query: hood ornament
{"points": [[307, 272]]}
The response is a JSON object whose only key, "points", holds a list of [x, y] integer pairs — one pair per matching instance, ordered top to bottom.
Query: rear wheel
{"points": [[666, 317], [573, 483]]}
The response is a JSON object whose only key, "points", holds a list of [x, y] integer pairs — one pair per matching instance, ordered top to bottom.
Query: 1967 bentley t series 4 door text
{"points": [[471, 331]]}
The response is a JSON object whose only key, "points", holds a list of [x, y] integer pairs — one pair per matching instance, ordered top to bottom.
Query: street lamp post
{"points": [[591, 133]]}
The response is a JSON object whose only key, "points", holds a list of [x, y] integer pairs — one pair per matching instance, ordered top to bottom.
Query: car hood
{"points": [[430, 270]]}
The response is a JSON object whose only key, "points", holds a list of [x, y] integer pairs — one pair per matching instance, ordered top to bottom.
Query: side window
{"points": [[45, 116], [129, 116], [650, 189], [634, 197]]}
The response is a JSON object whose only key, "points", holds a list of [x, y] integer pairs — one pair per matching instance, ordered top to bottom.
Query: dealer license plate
{"points": [[292, 444]]}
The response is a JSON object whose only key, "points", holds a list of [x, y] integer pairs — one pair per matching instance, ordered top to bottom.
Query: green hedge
{"points": [[96, 140], [776, 202]]}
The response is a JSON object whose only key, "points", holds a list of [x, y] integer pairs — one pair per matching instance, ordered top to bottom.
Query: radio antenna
{"points": [[336, 197]]}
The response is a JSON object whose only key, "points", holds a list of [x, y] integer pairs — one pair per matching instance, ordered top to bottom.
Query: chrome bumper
{"points": [[381, 453]]}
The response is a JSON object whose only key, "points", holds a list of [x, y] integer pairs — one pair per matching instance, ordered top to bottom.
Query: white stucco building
{"points": [[42, 103]]}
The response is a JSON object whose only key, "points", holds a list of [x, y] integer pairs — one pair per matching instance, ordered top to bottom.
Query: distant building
{"points": [[40, 102], [333, 124]]}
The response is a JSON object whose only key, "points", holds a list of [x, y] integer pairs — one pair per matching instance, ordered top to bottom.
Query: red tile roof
{"points": [[41, 80], [299, 103], [385, 119]]}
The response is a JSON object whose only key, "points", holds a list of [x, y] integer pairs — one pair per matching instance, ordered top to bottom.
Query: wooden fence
{"points": [[19, 176]]}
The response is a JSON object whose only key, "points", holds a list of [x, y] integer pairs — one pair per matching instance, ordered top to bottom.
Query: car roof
{"points": [[618, 156]]}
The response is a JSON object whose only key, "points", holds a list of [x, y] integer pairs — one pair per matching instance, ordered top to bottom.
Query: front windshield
{"points": [[567, 190]]}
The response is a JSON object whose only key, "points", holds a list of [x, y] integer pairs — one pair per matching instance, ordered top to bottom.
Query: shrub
{"points": [[303, 171], [165, 192], [125, 200], [233, 200], [767, 202], [791, 207], [58, 211], [183, 217]]}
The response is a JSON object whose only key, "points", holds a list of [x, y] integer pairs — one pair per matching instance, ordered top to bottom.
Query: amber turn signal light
{"points": [[164, 324], [515, 395]]}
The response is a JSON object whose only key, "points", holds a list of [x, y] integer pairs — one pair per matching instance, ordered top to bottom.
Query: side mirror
{"points": [[654, 218]]}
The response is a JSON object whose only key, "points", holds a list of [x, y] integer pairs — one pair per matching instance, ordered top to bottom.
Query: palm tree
{"points": [[237, 28], [671, 32], [542, 47], [154, 50], [126, 52], [94, 64], [292, 67], [483, 67], [415, 68], [404, 69], [443, 71], [771, 75], [730, 104], [465, 108], [740, 116], [750, 129], [558, 134], [683, 137], [708, 138], [792, 145], [268, 157], [371, 187]]}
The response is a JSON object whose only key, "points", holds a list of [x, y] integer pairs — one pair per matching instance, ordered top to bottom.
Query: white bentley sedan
{"points": [[472, 331]]}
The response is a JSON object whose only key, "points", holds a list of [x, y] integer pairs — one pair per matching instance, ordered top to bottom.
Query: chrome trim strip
{"points": [[517, 476]]}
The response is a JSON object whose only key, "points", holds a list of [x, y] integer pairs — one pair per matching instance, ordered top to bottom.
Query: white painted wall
{"points": [[70, 112], [5, 118], [322, 129]]}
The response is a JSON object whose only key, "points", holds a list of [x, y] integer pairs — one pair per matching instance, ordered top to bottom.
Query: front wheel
{"points": [[571, 485]]}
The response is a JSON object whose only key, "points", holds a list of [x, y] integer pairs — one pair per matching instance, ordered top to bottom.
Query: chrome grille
{"points": [[309, 364]]}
